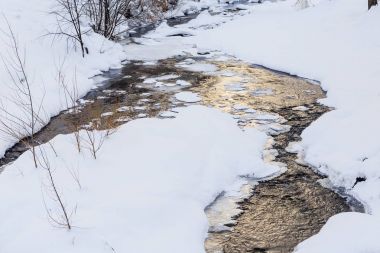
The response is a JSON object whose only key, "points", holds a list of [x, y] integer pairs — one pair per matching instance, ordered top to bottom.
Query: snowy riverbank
{"points": [[337, 43], [48, 60], [146, 192]]}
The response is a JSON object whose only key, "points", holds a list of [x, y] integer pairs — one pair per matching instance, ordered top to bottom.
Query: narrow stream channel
{"points": [[279, 213], [276, 214], [272, 215]]}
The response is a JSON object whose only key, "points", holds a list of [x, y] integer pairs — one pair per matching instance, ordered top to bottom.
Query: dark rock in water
{"points": [[180, 34], [203, 52], [358, 180]]}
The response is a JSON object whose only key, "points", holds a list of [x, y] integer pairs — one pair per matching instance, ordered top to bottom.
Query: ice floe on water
{"points": [[149, 63], [199, 67], [227, 73], [167, 77], [150, 80], [159, 80], [183, 83], [158, 84], [169, 84], [234, 87], [262, 92], [187, 96], [240, 107], [139, 108], [301, 108], [123, 109], [250, 111], [106, 114], [168, 114], [142, 115], [267, 117], [123, 119], [271, 124], [276, 129], [294, 147], [269, 155], [221, 212]]}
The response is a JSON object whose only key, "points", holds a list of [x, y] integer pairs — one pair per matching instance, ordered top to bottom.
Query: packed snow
{"points": [[335, 42], [47, 58], [183, 83], [145, 192], [345, 233]]}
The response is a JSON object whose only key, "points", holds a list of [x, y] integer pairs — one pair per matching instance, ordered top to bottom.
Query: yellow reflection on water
{"points": [[241, 84]]}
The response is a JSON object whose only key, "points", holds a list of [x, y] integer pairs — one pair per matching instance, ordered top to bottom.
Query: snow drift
{"points": [[335, 42], [146, 192]]}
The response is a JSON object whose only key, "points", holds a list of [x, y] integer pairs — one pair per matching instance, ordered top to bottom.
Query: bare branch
{"points": [[26, 123], [63, 220]]}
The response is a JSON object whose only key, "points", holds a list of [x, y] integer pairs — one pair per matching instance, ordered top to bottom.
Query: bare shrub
{"points": [[150, 11], [69, 15], [107, 15], [71, 96], [27, 122], [109, 123], [76, 131], [94, 141], [74, 172], [64, 218]]}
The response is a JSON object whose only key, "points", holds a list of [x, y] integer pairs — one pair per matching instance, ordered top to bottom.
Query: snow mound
{"points": [[343, 53], [46, 58], [146, 192], [340, 236]]}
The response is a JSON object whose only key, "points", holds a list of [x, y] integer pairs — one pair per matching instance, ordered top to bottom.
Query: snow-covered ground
{"points": [[336, 42], [45, 56], [49, 59], [145, 192]]}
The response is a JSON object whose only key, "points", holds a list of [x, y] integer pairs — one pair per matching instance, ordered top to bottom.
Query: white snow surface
{"points": [[335, 42], [44, 57], [199, 67], [183, 83], [187, 96], [146, 192], [343, 233]]}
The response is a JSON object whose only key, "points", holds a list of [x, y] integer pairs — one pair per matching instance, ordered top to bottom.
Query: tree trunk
{"points": [[371, 3], [107, 17]]}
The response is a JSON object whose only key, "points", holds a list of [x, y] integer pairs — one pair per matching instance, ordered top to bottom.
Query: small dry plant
{"points": [[71, 96], [24, 125], [94, 140], [60, 216]]}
